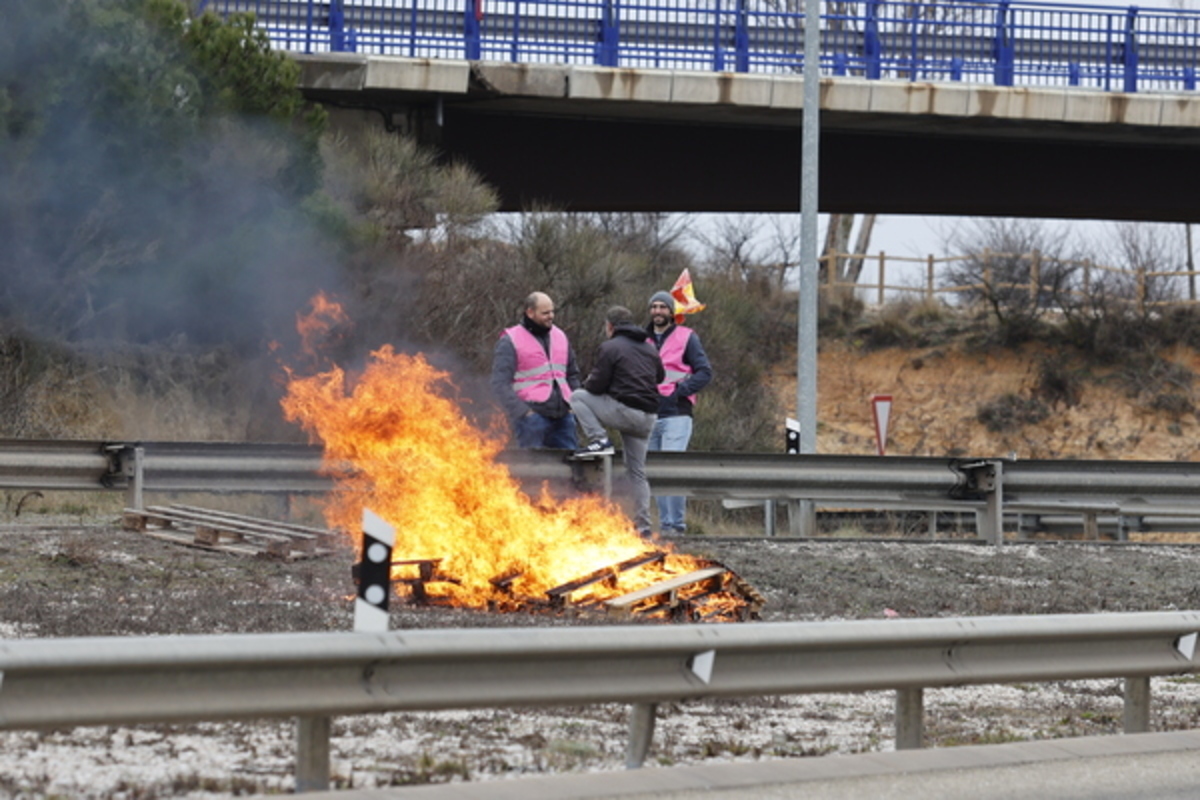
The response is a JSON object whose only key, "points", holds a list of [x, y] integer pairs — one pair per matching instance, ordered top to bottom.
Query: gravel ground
{"points": [[67, 578]]}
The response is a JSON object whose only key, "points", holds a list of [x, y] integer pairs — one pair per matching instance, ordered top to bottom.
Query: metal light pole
{"points": [[806, 335]]}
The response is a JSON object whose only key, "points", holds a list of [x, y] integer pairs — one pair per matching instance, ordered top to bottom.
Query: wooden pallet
{"points": [[230, 533], [666, 593], [560, 596]]}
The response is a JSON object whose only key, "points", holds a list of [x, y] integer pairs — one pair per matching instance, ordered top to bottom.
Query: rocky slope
{"points": [[1061, 409]]}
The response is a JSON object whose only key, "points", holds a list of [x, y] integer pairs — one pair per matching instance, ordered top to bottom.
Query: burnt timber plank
{"points": [[625, 602]]}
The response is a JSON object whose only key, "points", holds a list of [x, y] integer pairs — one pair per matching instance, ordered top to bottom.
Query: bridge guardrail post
{"points": [[337, 27], [308, 31], [472, 37], [741, 39], [871, 45], [1130, 50], [1005, 51], [608, 53], [718, 59]]}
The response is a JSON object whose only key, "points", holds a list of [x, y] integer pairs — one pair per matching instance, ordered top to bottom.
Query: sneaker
{"points": [[604, 447]]}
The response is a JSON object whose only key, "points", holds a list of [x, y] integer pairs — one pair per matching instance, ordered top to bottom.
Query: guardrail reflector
{"points": [[1186, 645], [701, 665]]}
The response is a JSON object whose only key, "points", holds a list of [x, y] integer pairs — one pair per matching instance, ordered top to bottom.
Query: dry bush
{"points": [[908, 322], [1058, 382], [122, 392], [1010, 412]]}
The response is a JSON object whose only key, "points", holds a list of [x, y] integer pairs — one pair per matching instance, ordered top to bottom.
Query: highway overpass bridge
{"points": [[1008, 108], [611, 139]]}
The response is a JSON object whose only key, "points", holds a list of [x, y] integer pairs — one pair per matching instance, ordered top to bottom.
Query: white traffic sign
{"points": [[881, 407]]}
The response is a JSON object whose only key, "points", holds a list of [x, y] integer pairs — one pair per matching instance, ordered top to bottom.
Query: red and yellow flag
{"points": [[685, 297]]}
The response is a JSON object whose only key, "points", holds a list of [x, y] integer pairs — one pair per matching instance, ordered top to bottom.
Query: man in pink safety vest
{"points": [[687, 372], [533, 375]]}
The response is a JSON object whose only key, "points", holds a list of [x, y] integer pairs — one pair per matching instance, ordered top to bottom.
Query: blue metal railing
{"points": [[1001, 42]]}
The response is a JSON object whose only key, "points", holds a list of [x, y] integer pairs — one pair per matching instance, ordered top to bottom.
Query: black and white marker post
{"points": [[374, 575]]}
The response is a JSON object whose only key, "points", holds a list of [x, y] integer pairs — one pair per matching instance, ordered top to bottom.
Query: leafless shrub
{"points": [[1017, 269], [1058, 382], [1010, 412], [77, 551]]}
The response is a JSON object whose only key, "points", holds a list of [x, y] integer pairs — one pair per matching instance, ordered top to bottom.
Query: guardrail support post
{"points": [[135, 473], [987, 478], [796, 518], [1127, 523], [1027, 525], [1137, 705], [910, 719], [641, 733], [312, 754]]}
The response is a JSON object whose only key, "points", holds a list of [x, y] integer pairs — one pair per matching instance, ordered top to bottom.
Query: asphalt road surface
{"points": [[1158, 766]]}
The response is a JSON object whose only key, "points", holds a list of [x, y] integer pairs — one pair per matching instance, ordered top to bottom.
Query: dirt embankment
{"points": [[938, 393]]}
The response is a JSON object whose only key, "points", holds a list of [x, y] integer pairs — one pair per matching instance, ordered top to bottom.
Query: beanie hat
{"points": [[663, 297]]}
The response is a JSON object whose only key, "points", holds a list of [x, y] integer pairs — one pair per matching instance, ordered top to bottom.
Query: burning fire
{"points": [[397, 443]]}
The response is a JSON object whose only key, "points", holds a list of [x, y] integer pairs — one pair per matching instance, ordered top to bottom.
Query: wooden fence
{"points": [[1048, 281]]}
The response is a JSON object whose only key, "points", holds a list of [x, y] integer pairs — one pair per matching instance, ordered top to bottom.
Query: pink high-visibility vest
{"points": [[671, 353], [536, 372]]}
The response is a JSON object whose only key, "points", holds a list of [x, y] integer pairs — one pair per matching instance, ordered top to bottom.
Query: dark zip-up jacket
{"points": [[628, 369]]}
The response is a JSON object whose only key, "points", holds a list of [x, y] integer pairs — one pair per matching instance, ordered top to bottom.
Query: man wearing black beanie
{"points": [[687, 372]]}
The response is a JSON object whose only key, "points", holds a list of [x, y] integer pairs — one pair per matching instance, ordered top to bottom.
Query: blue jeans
{"points": [[534, 430], [671, 434]]}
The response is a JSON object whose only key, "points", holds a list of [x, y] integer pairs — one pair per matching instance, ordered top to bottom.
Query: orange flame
{"points": [[315, 326], [397, 443]]}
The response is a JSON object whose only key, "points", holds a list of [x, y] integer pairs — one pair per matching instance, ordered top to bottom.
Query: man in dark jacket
{"points": [[533, 373], [621, 392]]}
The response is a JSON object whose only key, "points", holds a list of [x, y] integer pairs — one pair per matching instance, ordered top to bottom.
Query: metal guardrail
{"points": [[1003, 43], [66, 465], [1128, 492], [102, 681]]}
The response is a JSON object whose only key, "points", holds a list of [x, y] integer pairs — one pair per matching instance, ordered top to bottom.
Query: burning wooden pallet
{"points": [[230, 533], [428, 571], [713, 592], [561, 596]]}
